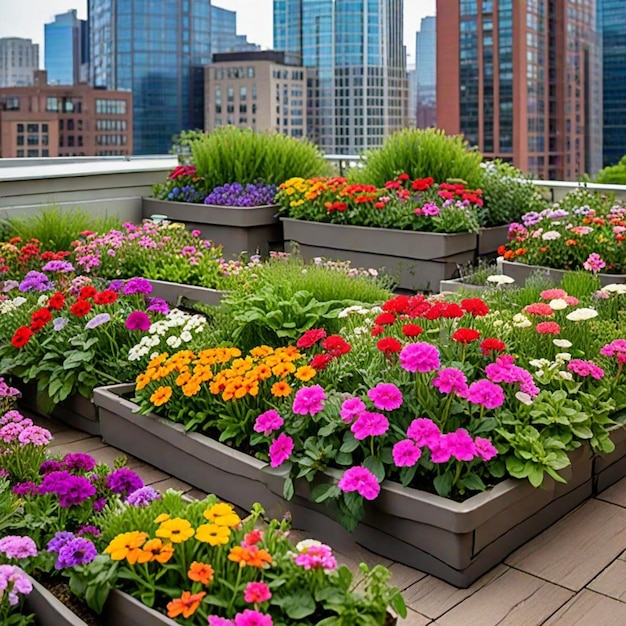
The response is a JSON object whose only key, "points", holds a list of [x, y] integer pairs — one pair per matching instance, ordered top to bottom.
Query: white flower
{"points": [[551, 235], [372, 272], [500, 279], [619, 288], [42, 300], [19, 301], [558, 304], [579, 315], [521, 321], [497, 323], [186, 336], [151, 342], [173, 342], [562, 343], [133, 354], [563, 356], [539, 362], [566, 375], [524, 398], [303, 546]]}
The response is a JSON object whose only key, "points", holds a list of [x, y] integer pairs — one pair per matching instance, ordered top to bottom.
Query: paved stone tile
{"points": [[63, 437], [87, 445], [172, 483], [196, 494], [616, 494], [577, 548], [356, 554], [403, 577], [612, 581], [432, 597], [515, 598], [589, 608], [413, 619]]}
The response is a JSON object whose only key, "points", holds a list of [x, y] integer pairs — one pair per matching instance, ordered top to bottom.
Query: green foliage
{"points": [[181, 144], [231, 154], [420, 154], [613, 174], [57, 227]]}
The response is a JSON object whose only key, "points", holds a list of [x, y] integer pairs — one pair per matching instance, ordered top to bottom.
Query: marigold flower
{"points": [[305, 373], [281, 389], [161, 395], [222, 514], [176, 529], [213, 534], [126, 546], [201, 573], [186, 605]]}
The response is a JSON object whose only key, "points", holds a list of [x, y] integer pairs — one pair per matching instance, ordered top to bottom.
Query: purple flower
{"points": [[234, 194], [594, 263], [62, 267], [35, 281], [9, 285], [116, 285], [137, 285], [158, 305], [98, 320], [138, 320], [59, 323], [419, 357], [451, 380], [486, 393], [385, 396], [309, 400], [351, 409], [12, 416], [268, 422], [369, 424], [423, 431], [36, 435], [461, 445], [485, 449], [280, 450], [406, 453], [79, 461], [51, 465], [361, 480], [123, 481], [26, 489], [74, 491], [143, 496], [99, 504], [88, 529], [59, 540], [17, 547], [75, 552], [14, 580]]}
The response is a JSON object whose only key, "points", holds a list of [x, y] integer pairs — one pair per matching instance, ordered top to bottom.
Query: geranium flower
{"points": [[475, 306], [540, 309], [137, 320], [548, 328], [412, 330], [465, 335], [21, 337], [311, 337], [492, 344], [389, 345], [419, 357], [451, 380], [486, 393], [385, 396], [309, 400], [351, 409], [268, 422], [369, 424], [423, 431], [485, 449], [280, 450], [406, 453], [361, 480], [313, 554], [256, 592], [186, 605], [253, 618]]}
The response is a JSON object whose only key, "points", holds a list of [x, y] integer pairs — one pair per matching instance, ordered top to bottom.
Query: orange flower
{"points": [[261, 351], [283, 369], [263, 371], [305, 373], [183, 378], [142, 380], [191, 388], [281, 389], [161, 396], [155, 550], [250, 555], [201, 573], [186, 605]]}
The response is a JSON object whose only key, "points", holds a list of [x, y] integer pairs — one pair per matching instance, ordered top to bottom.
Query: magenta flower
{"points": [[594, 263], [138, 320], [616, 348], [419, 357], [585, 368], [451, 380], [486, 393], [385, 396], [309, 400], [351, 409], [268, 422], [369, 424], [423, 431], [461, 445], [485, 449], [280, 450], [440, 451], [406, 453], [361, 480], [123, 481], [315, 555], [255, 593], [253, 618], [214, 620]]}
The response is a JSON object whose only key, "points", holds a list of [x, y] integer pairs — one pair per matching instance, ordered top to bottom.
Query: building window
{"points": [[250, 72], [243, 92], [230, 94], [9, 103], [111, 107], [60, 124], [70, 124], [20, 128], [32, 128], [44, 128], [20, 140], [32, 140], [20, 153], [32, 153], [45, 153]]}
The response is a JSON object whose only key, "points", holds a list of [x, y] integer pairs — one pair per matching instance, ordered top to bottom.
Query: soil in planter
{"points": [[62, 592]]}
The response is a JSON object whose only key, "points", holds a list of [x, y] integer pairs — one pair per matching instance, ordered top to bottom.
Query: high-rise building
{"points": [[612, 16], [223, 33], [66, 48], [19, 58], [356, 68], [426, 71], [521, 79], [412, 85], [45, 120]]}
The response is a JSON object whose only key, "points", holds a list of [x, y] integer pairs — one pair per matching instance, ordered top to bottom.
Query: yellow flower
{"points": [[261, 351], [157, 360], [283, 369], [305, 373], [183, 378], [142, 380], [191, 388], [161, 396], [222, 514], [161, 518], [176, 530], [213, 534], [126, 546], [155, 550]]}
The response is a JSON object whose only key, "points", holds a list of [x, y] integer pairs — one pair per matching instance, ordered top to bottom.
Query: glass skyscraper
{"points": [[65, 48], [356, 66], [426, 70]]}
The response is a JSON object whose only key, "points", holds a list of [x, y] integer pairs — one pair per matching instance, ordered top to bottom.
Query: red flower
{"points": [[402, 177], [422, 184], [87, 292], [105, 297], [57, 301], [399, 304], [475, 306], [80, 308], [539, 308], [451, 310], [435, 311], [385, 318], [39, 319], [548, 328], [377, 330], [412, 330], [465, 335], [21, 337], [311, 337], [492, 344], [336, 345], [389, 345], [320, 361]]}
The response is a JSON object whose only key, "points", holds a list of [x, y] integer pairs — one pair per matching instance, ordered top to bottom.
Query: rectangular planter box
{"points": [[237, 229], [491, 238], [418, 260], [520, 272], [456, 284], [173, 293], [610, 468], [457, 542], [48, 609]]}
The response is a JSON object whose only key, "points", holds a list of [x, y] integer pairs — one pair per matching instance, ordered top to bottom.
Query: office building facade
{"points": [[66, 49], [19, 59], [426, 72], [521, 79], [357, 91]]}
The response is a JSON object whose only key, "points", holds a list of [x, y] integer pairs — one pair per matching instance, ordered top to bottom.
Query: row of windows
{"points": [[234, 72], [284, 74], [64, 105], [111, 107], [111, 124], [32, 128], [32, 140], [111, 140], [72, 141], [33, 153]]}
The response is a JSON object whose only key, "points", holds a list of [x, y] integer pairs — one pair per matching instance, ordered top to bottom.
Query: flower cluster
{"points": [[182, 185], [235, 194]]}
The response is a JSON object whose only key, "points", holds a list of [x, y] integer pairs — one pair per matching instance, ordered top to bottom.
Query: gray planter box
{"points": [[236, 229], [491, 238], [418, 260], [520, 272], [456, 284], [173, 293], [609, 468], [457, 542], [120, 608], [48, 609]]}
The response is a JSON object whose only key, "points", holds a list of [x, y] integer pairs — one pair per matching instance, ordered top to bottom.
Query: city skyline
{"points": [[254, 18]]}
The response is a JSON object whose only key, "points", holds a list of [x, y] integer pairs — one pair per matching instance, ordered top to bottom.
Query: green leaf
{"points": [[350, 444], [375, 466], [535, 474], [473, 482], [443, 484], [288, 489], [320, 493]]}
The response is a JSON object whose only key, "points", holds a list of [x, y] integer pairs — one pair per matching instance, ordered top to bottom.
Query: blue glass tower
{"points": [[65, 49], [353, 49]]}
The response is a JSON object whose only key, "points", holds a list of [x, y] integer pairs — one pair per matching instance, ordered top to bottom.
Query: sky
{"points": [[26, 18]]}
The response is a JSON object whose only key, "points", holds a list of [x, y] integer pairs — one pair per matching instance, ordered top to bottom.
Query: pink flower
{"points": [[195, 233], [594, 263], [553, 294], [571, 300], [539, 308], [138, 320], [548, 328], [615, 348], [419, 357], [585, 368], [451, 380], [486, 393], [385, 396], [309, 400], [351, 409], [268, 422], [369, 424], [423, 431], [36, 435], [461, 445], [485, 449], [280, 450], [440, 451], [406, 453], [361, 480], [316, 555], [256, 593], [253, 618]]}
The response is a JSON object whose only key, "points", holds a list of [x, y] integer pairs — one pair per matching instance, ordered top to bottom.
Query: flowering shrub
{"points": [[182, 185], [236, 194], [420, 205], [576, 237]]}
